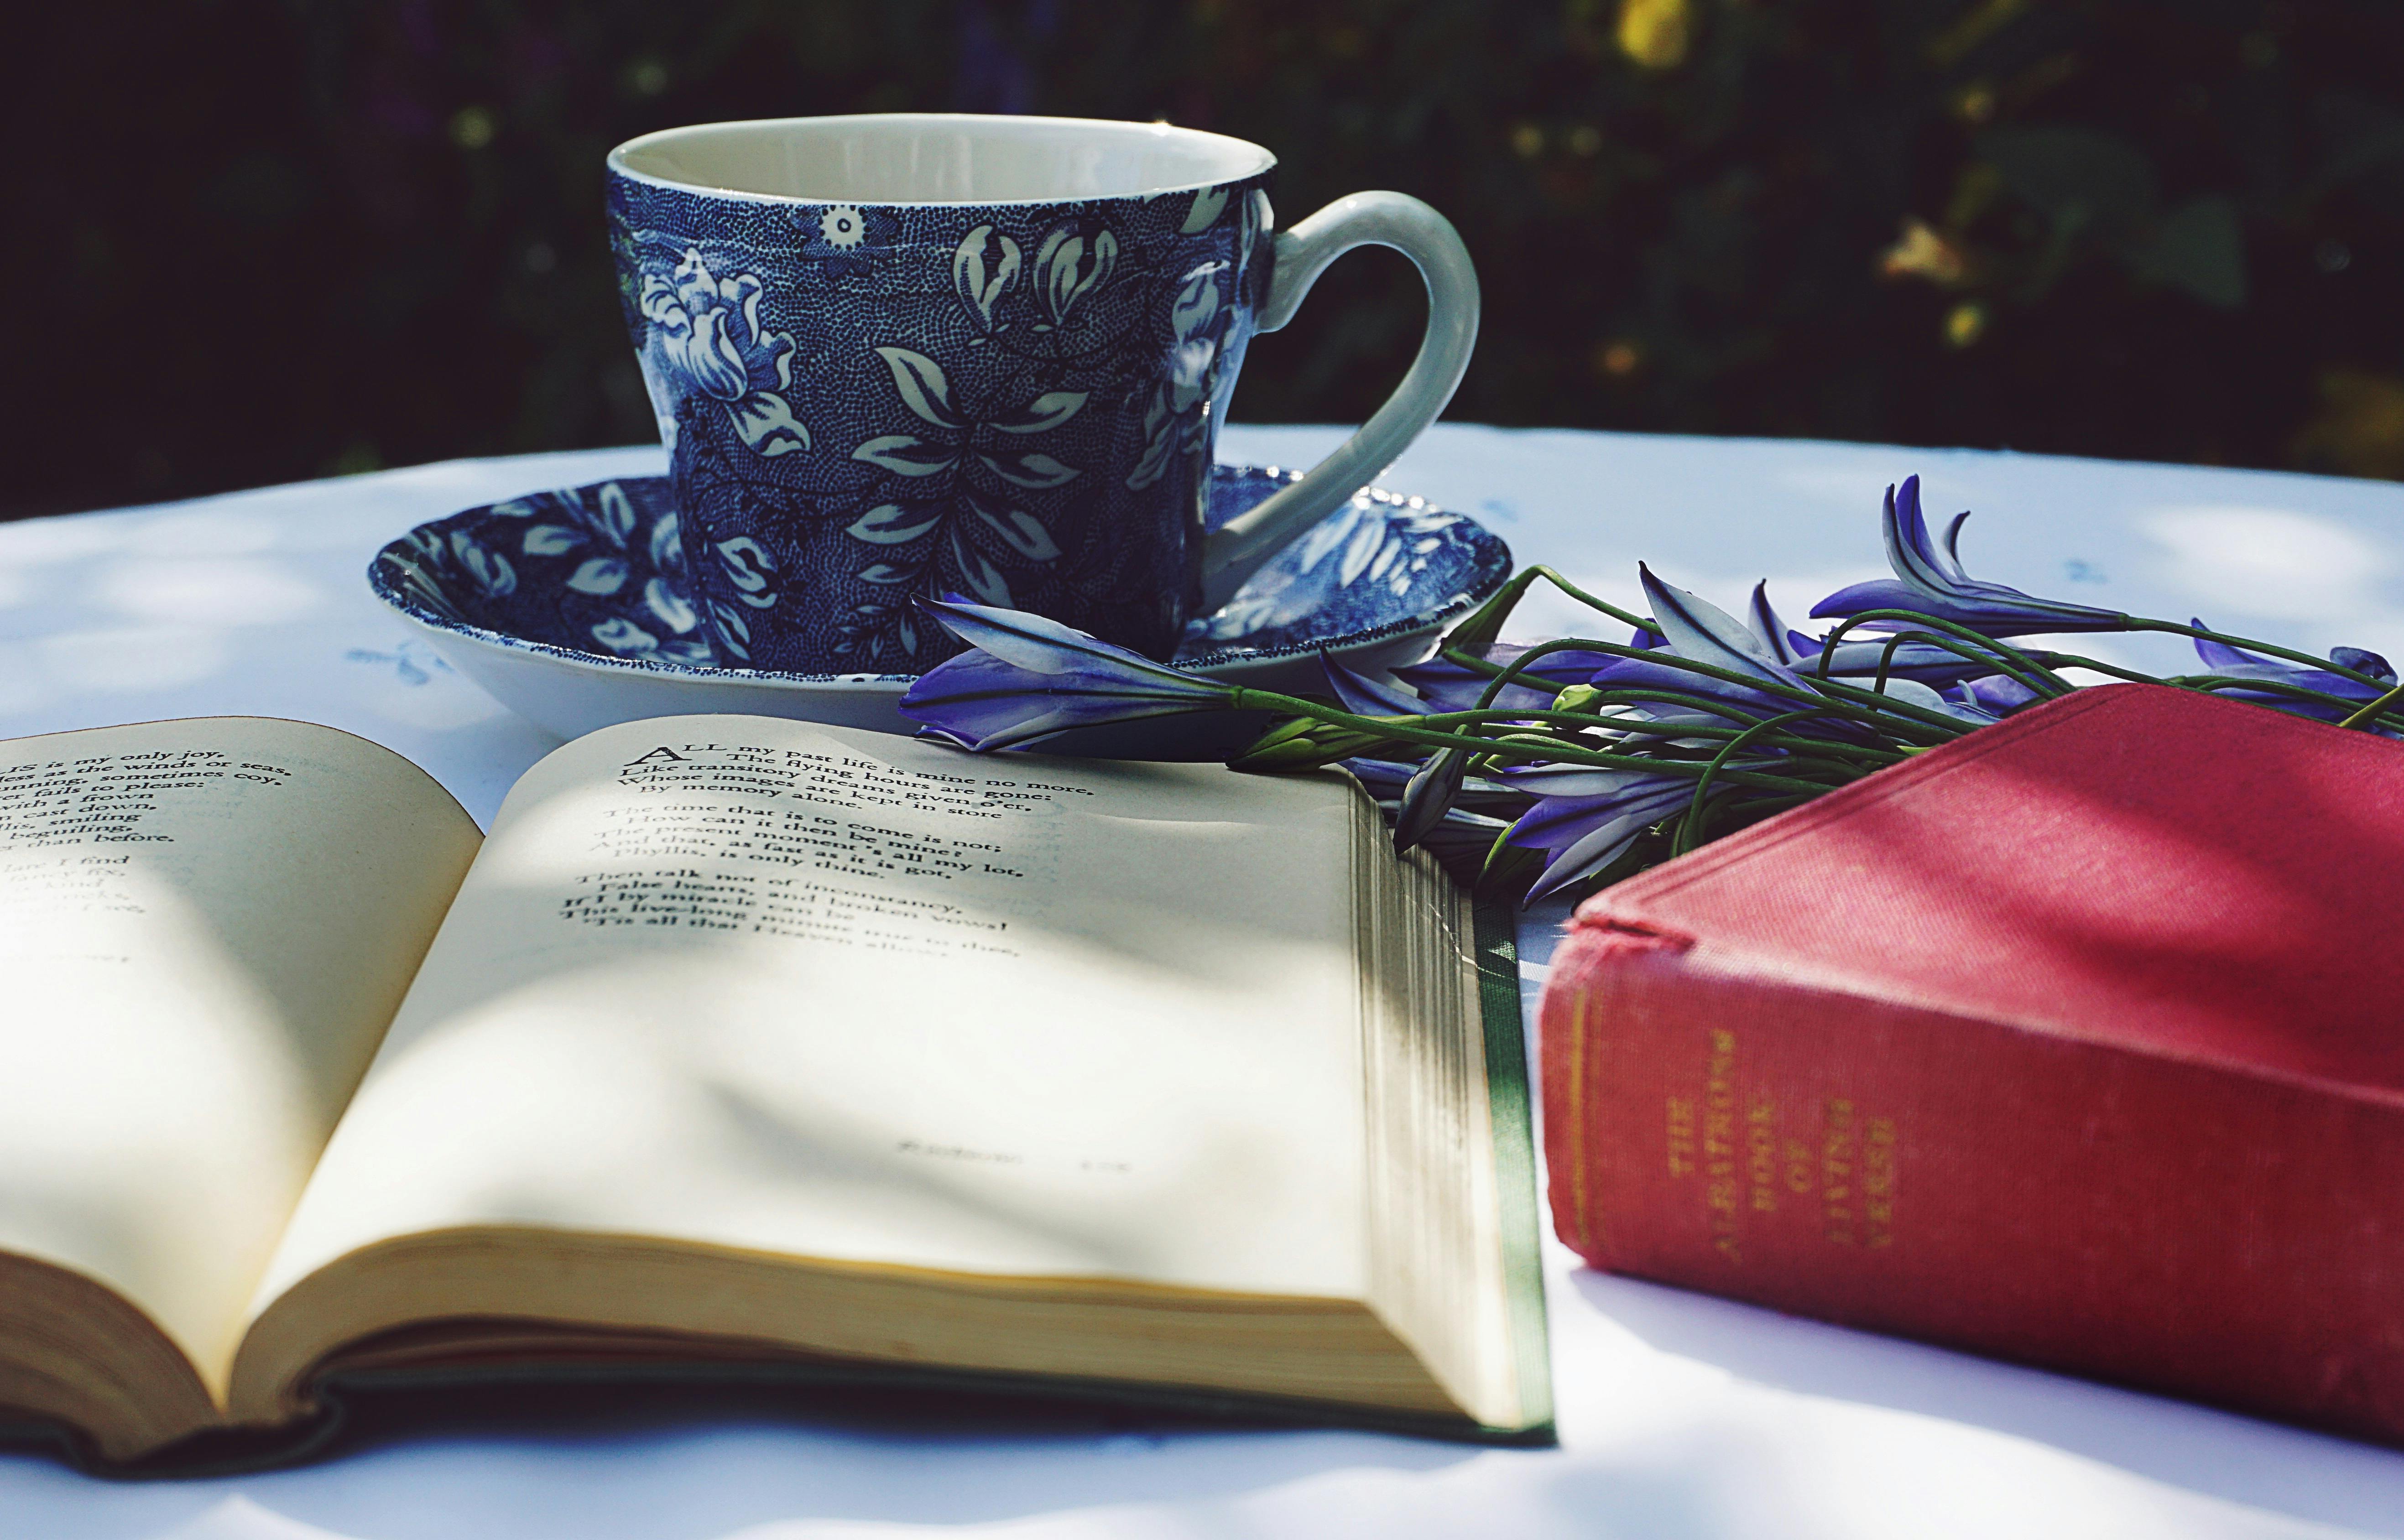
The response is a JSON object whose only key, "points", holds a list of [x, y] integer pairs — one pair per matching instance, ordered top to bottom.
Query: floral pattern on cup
{"points": [[705, 336], [865, 404], [1176, 421], [600, 571]]}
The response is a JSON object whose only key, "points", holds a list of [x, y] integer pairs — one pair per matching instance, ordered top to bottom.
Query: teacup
{"points": [[934, 353]]}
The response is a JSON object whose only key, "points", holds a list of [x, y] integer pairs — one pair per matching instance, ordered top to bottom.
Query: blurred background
{"points": [[268, 240]]}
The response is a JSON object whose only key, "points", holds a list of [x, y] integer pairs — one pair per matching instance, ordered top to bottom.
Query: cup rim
{"points": [[618, 166]]}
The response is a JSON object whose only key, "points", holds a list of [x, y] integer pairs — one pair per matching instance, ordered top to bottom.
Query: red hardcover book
{"points": [[2077, 1041]]}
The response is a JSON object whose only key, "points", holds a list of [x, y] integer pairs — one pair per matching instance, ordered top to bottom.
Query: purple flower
{"points": [[1929, 578], [1689, 627], [1704, 633], [2361, 661], [2233, 663], [1929, 664], [1643, 674], [1028, 678], [1445, 685], [1999, 695], [1366, 697], [1956, 703], [1387, 780], [1421, 800], [1427, 800], [1586, 819], [1463, 837], [1461, 842]]}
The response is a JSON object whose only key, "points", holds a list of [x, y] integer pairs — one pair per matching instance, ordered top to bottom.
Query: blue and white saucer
{"points": [[561, 604]]}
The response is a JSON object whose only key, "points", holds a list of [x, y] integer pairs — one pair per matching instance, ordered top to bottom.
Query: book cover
{"points": [[2073, 1042]]}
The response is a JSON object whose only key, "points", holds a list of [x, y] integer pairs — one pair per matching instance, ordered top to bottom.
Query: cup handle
{"points": [[1244, 544]]}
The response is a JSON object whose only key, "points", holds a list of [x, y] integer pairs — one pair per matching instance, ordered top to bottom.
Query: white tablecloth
{"points": [[1681, 1416]]}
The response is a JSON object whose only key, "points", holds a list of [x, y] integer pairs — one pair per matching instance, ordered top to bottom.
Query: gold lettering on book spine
{"points": [[1684, 1149], [1761, 1153], [1722, 1154], [1858, 1169], [1841, 1175], [1878, 1183], [1836, 1216]]}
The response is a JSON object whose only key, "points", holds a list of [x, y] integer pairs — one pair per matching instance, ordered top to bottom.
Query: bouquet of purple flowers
{"points": [[1543, 769]]}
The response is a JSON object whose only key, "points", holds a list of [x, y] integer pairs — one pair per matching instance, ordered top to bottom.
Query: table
{"points": [[1681, 1417]]}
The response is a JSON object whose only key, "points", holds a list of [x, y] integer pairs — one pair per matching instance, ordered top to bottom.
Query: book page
{"points": [[205, 927], [752, 983]]}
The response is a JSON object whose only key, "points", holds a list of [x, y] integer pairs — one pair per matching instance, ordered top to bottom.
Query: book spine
{"points": [[2173, 1226]]}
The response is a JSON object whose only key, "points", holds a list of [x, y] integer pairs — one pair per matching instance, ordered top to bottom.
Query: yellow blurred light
{"points": [[1656, 32], [471, 127], [1921, 253], [1964, 325], [2359, 429]]}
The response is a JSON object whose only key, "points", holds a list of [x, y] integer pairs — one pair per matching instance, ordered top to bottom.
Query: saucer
{"points": [[561, 606]]}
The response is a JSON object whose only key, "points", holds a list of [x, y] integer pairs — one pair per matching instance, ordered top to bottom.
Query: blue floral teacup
{"points": [[942, 353]]}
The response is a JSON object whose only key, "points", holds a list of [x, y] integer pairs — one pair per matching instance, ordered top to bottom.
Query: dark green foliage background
{"points": [[252, 241]]}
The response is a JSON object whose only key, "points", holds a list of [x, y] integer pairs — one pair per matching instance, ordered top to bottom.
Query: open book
{"points": [[738, 1042]]}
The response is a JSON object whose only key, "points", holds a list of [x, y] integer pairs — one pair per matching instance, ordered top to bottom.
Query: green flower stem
{"points": [[1483, 627], [2242, 644], [1613, 649], [1451, 653], [1983, 656], [2008, 658], [1886, 660], [2072, 660], [1511, 672], [2215, 683], [1639, 696], [1243, 698], [2382, 706], [1875, 710], [2371, 711], [1738, 720], [1950, 727], [1822, 747], [1833, 750], [1805, 758], [1828, 772], [1690, 828], [1498, 851]]}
